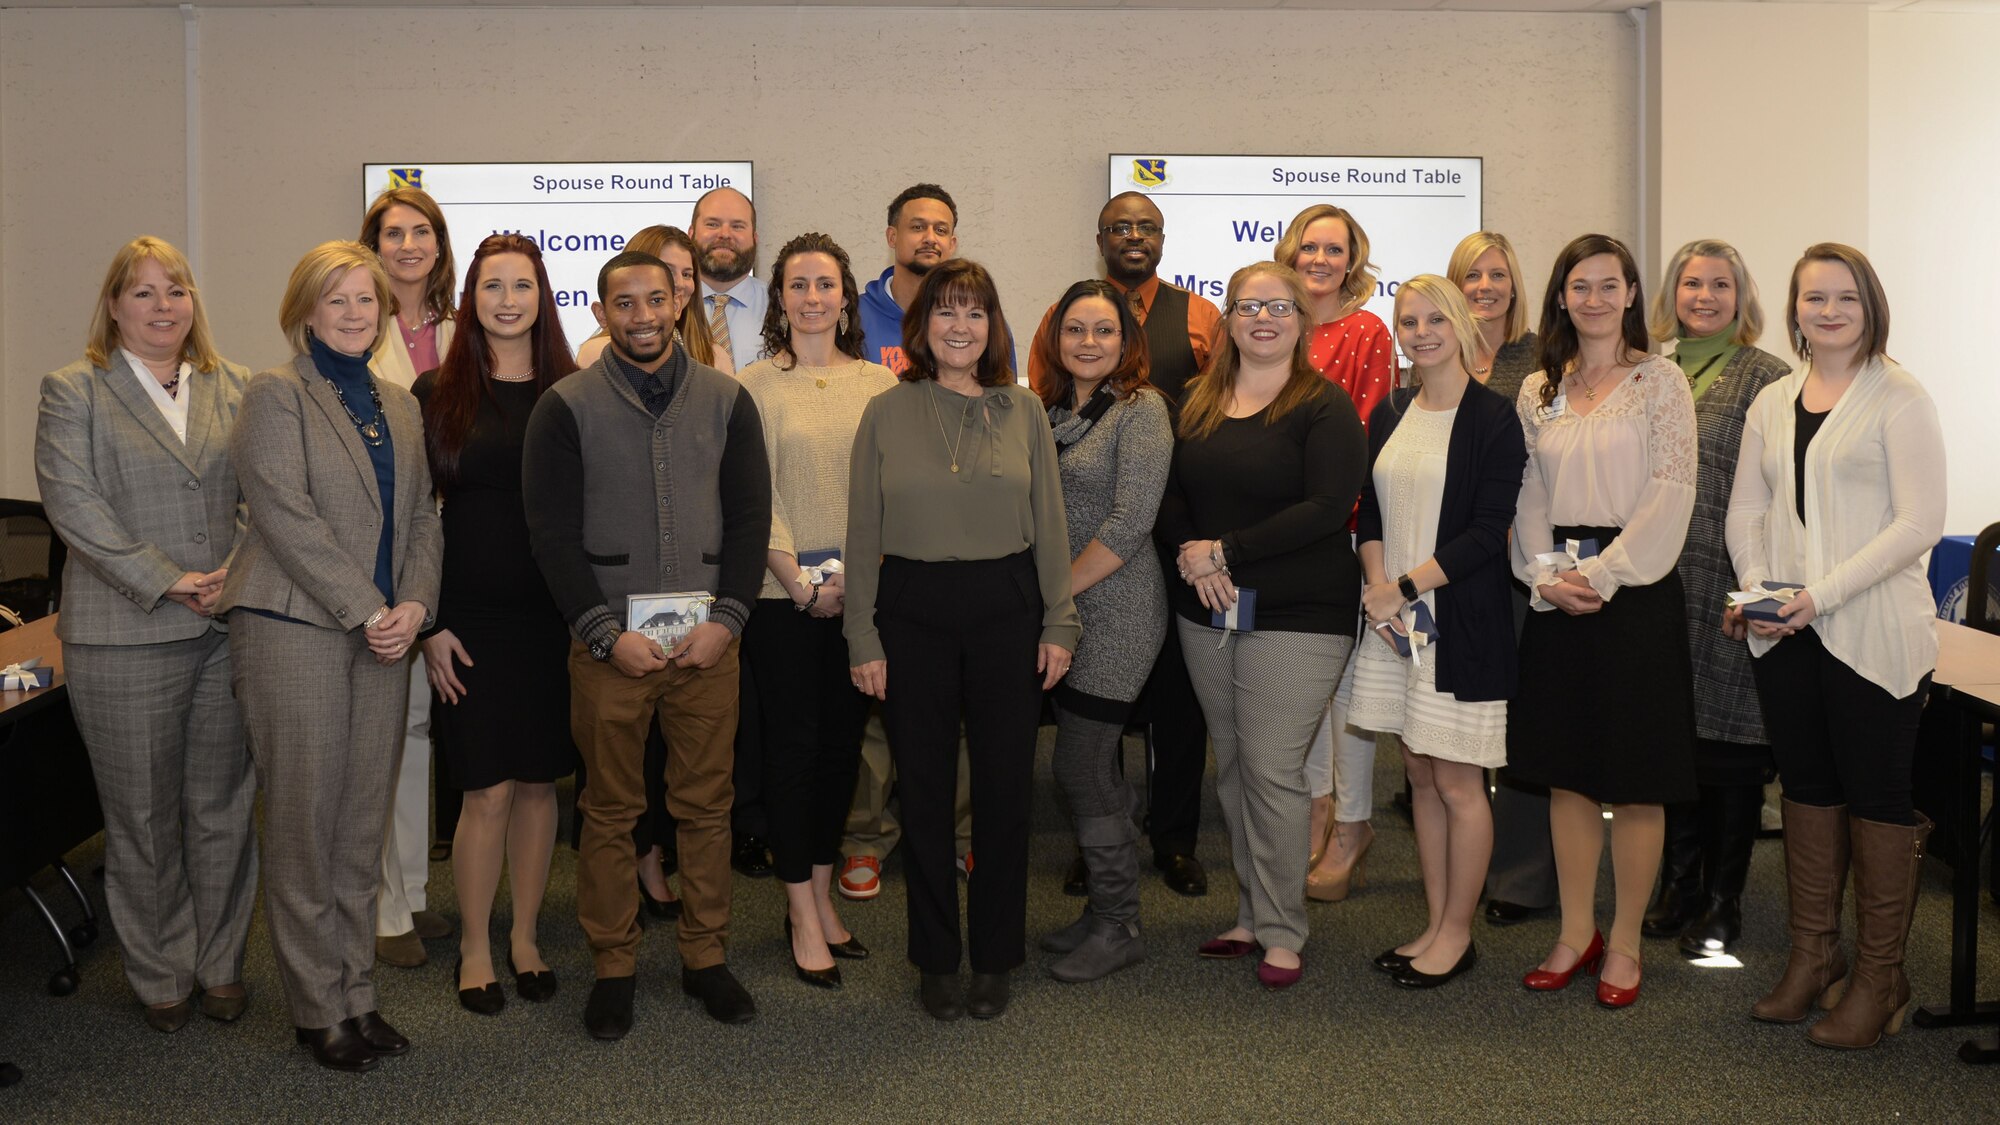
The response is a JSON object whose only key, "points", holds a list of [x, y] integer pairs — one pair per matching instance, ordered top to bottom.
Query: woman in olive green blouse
{"points": [[958, 580]]}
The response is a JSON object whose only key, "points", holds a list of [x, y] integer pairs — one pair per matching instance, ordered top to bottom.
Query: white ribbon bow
{"points": [[817, 575], [1758, 592], [20, 677]]}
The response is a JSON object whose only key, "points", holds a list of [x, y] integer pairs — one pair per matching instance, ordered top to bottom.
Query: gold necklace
{"points": [[1589, 391], [950, 447]]}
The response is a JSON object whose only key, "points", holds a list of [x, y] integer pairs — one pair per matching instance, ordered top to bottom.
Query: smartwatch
{"points": [[1408, 588]]}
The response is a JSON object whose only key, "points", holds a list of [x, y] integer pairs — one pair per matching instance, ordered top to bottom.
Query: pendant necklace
{"points": [[371, 430], [950, 447]]}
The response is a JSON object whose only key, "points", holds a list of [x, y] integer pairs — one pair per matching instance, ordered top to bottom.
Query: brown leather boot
{"points": [[1816, 851], [1888, 859]]}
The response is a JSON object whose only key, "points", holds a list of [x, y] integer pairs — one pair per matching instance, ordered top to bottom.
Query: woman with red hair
{"points": [[495, 659]]}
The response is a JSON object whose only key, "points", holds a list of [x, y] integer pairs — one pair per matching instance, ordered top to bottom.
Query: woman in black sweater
{"points": [[1269, 461], [1446, 461]]}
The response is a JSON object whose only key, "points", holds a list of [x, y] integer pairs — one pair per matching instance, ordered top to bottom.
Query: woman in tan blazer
{"points": [[406, 229], [132, 455], [337, 572]]}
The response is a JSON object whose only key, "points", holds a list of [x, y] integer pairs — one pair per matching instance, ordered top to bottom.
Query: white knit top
{"points": [[1874, 509]]}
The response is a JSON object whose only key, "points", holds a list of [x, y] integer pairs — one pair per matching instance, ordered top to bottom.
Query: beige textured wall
{"points": [[1012, 111], [1746, 153], [1934, 230]]}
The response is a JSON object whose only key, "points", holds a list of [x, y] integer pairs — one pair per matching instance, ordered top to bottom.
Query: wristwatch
{"points": [[1408, 588], [600, 651]]}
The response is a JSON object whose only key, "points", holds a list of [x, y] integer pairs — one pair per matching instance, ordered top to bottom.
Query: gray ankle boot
{"points": [[1070, 936], [1112, 941]]}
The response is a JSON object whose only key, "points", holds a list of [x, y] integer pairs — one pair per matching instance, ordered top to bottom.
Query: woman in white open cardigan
{"points": [[1840, 496]]}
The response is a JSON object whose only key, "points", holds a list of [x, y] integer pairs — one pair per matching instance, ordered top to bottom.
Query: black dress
{"points": [[512, 723]]}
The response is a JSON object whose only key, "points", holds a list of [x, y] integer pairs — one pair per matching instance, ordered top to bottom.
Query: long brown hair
{"points": [[959, 281], [437, 289], [777, 330], [1557, 343], [1134, 359], [463, 376], [1208, 394]]}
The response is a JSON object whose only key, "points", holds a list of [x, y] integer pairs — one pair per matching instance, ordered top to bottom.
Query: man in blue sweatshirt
{"points": [[923, 231]]}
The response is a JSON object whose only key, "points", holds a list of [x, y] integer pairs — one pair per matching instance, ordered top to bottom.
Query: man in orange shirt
{"points": [[1181, 330]]}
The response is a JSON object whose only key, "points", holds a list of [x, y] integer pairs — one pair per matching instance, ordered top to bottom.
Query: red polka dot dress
{"points": [[1357, 354]]}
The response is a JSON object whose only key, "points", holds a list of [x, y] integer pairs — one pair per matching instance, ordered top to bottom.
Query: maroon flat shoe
{"points": [[1225, 949], [1275, 978]]}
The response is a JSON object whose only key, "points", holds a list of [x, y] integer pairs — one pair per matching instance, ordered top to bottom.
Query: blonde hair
{"points": [[1468, 251], [322, 267], [1360, 279], [439, 287], [1449, 300], [1666, 323], [197, 349], [1208, 394]]}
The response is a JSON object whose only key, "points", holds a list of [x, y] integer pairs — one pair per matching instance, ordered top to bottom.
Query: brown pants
{"points": [[609, 712]]}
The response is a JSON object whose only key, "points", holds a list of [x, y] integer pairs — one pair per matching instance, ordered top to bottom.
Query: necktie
{"points": [[1138, 304], [718, 331]]}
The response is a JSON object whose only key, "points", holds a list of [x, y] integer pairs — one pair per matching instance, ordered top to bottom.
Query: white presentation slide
{"points": [[1224, 212], [579, 214]]}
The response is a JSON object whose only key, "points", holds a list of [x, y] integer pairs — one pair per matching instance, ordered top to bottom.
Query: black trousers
{"points": [[960, 639], [812, 723], [1838, 739], [1177, 751]]}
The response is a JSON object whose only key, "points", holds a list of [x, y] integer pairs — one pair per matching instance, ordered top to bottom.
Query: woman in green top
{"points": [[1708, 305], [958, 609]]}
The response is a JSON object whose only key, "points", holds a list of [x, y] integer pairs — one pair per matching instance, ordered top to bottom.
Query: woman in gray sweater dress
{"points": [[1114, 442]]}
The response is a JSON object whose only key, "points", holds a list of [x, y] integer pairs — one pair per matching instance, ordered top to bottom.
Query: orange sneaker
{"points": [[861, 878]]}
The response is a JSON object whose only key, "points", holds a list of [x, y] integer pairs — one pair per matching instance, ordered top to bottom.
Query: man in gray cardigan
{"points": [[645, 473]]}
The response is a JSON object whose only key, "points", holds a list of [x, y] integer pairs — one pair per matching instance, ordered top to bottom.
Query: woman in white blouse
{"points": [[1839, 495], [1605, 712]]}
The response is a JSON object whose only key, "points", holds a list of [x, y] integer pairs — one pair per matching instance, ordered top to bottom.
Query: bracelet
{"points": [[1215, 555], [809, 602]]}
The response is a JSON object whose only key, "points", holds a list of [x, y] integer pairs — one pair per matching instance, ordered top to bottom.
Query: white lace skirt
{"points": [[1392, 694]]}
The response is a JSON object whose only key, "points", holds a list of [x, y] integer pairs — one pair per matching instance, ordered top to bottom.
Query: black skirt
{"points": [[1606, 704]]}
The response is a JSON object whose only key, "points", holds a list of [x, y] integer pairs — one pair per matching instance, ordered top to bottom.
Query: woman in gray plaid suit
{"points": [[132, 455], [337, 572]]}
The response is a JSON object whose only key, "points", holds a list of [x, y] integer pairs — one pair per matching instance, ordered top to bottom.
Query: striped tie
{"points": [[718, 331]]}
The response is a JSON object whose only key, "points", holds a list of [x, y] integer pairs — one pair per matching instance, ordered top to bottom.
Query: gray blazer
{"points": [[137, 507], [315, 511]]}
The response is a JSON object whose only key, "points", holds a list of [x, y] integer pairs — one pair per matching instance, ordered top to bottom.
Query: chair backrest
{"points": [[31, 560], [1979, 613]]}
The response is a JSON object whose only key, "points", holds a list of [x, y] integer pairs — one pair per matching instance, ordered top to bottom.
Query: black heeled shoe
{"points": [[662, 908], [849, 950], [1390, 961], [1411, 977], [818, 978], [536, 986], [486, 1000], [338, 1047]]}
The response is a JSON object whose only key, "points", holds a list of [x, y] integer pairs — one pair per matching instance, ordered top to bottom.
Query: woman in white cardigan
{"points": [[1839, 496]]}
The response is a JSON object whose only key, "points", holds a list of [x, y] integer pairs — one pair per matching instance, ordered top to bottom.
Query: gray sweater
{"points": [[1112, 479], [620, 503]]}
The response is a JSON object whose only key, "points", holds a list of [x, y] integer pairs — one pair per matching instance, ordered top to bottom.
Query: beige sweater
{"points": [[810, 415]]}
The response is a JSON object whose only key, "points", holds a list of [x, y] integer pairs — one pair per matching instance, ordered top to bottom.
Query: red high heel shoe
{"points": [[1542, 980], [1611, 996]]}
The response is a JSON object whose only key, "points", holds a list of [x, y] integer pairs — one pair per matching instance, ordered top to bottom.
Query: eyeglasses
{"points": [[1123, 228], [1249, 307], [1079, 332]]}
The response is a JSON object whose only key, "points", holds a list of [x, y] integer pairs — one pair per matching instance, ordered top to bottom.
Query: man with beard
{"points": [[923, 226], [724, 229], [1181, 330], [634, 469]]}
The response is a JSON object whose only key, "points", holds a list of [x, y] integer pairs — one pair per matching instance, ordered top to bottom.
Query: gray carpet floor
{"points": [[1173, 1039]]}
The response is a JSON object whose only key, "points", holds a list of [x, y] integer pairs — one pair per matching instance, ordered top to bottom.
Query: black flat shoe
{"points": [[752, 857], [1183, 874], [1076, 884], [663, 908], [1501, 913], [1391, 961], [1410, 977], [536, 987], [940, 995], [987, 997], [486, 1000], [726, 1000], [608, 1013], [380, 1037], [339, 1047]]}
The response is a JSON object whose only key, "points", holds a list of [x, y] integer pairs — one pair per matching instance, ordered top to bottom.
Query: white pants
{"points": [[1341, 759], [406, 845]]}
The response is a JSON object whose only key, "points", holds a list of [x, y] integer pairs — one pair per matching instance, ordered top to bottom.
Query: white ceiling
{"points": [[1222, 5]]}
